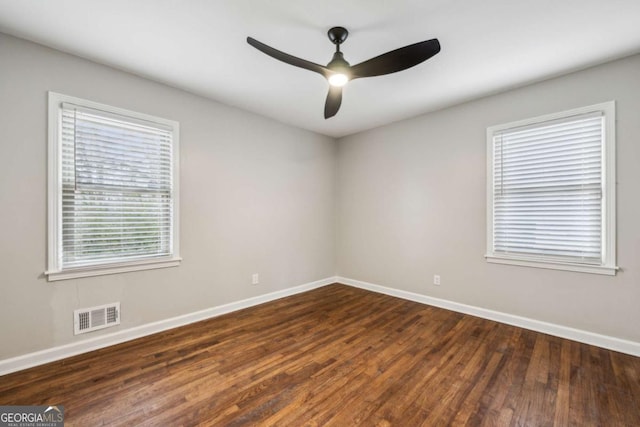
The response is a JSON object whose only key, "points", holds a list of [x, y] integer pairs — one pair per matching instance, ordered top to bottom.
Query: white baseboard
{"points": [[604, 341], [56, 353], [29, 360]]}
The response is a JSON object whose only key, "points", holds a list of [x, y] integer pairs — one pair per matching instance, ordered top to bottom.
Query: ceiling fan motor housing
{"points": [[338, 62]]}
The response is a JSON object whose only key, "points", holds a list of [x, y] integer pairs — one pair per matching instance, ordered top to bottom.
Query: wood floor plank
{"points": [[339, 356]]}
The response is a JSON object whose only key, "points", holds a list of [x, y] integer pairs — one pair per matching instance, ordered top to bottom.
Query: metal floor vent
{"points": [[94, 318]]}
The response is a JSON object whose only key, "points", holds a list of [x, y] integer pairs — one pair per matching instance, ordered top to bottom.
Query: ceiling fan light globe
{"points": [[338, 79]]}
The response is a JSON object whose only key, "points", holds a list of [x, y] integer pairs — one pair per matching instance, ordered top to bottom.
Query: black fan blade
{"points": [[289, 59], [396, 60], [334, 99]]}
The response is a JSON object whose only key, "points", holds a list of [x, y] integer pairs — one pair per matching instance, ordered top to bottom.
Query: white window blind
{"points": [[549, 191], [116, 196], [116, 200]]}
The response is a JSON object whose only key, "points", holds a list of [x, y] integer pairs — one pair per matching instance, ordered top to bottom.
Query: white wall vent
{"points": [[94, 318]]}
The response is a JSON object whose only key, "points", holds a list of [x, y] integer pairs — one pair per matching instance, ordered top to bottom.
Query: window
{"points": [[551, 191], [113, 193]]}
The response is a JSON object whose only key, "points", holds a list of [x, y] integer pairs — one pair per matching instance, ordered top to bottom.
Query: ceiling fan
{"points": [[338, 71]]}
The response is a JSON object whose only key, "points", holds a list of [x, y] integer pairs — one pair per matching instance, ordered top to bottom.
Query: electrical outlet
{"points": [[255, 279], [436, 279]]}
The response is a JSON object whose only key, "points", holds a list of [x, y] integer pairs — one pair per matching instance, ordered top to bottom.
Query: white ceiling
{"points": [[200, 46]]}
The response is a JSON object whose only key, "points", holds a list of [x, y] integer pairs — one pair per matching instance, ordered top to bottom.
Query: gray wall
{"points": [[256, 196], [411, 204], [391, 206]]}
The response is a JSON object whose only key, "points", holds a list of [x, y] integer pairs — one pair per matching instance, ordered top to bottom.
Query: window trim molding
{"points": [[54, 185], [608, 267]]}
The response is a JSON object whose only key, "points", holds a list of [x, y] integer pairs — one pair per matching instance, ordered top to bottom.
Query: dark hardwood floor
{"points": [[339, 356]]}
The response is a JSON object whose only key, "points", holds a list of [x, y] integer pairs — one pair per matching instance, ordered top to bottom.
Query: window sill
{"points": [[567, 266], [111, 269]]}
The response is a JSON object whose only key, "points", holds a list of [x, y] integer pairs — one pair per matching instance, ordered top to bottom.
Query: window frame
{"points": [[608, 206], [54, 270]]}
